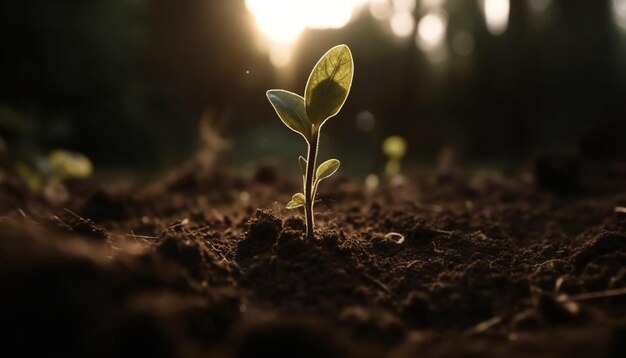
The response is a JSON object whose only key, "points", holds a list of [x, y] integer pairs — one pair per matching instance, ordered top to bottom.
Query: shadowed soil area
{"points": [[211, 264]]}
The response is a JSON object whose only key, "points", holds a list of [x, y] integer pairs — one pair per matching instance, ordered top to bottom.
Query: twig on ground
{"points": [[380, 284], [592, 295], [482, 327]]}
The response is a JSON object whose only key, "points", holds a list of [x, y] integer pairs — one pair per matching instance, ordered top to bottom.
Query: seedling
{"points": [[325, 93], [394, 148], [46, 175]]}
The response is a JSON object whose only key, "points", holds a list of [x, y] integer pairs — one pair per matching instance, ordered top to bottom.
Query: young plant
{"points": [[325, 93]]}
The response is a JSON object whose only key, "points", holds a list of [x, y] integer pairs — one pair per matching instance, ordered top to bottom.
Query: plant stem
{"points": [[308, 185]]}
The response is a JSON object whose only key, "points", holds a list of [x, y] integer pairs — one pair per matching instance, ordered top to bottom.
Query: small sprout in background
{"points": [[325, 93], [394, 148], [64, 165], [68, 165], [42, 174], [47, 175], [31, 178]]}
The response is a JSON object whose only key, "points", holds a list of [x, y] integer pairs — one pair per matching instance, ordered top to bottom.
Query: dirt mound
{"points": [[212, 265]]}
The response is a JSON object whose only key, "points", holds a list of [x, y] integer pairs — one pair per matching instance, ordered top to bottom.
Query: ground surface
{"points": [[210, 264]]}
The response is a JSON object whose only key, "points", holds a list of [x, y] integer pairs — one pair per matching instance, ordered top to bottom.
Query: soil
{"points": [[209, 263]]}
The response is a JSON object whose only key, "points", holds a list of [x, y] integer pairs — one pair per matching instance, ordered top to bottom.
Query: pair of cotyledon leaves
{"points": [[325, 93]]}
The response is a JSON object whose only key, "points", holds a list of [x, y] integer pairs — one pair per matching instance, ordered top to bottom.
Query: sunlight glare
{"points": [[404, 5], [380, 9], [619, 13], [317, 14], [496, 15], [274, 18], [284, 20], [281, 22], [402, 24], [431, 30], [431, 35], [280, 55]]}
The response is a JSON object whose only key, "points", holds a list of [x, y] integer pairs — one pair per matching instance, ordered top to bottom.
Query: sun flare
{"points": [[281, 22]]}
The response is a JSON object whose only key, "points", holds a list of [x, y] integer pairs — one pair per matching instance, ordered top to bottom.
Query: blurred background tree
{"points": [[125, 81]]}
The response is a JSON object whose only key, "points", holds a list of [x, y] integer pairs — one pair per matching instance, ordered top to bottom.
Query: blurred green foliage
{"points": [[72, 77]]}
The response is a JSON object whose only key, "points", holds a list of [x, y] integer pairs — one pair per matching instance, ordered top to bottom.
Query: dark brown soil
{"points": [[210, 264]]}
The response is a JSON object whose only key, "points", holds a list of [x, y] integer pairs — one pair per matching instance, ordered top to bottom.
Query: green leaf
{"points": [[329, 84], [290, 108], [303, 164], [327, 169], [297, 200], [293, 205]]}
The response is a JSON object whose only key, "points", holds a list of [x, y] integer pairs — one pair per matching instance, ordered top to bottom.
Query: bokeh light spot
{"points": [[404, 5], [380, 9], [619, 13], [496, 15], [402, 24], [432, 29], [463, 43], [280, 55], [365, 121], [394, 147], [371, 182]]}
